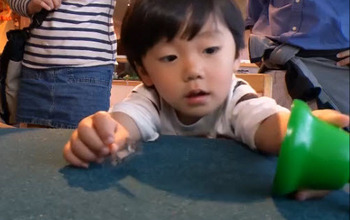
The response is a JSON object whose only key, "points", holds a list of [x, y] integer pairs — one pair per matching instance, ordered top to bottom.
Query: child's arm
{"points": [[3, 125], [271, 132], [98, 136]]}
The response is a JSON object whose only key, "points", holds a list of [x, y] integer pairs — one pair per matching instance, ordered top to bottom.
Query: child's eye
{"points": [[211, 50], [169, 58]]}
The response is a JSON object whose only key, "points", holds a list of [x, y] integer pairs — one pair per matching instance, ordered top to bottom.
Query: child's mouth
{"points": [[196, 93], [197, 97]]}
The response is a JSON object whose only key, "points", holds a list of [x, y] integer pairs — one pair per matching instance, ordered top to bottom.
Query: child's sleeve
{"points": [[142, 105], [248, 110]]}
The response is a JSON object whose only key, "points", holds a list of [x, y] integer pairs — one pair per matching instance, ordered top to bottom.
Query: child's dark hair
{"points": [[148, 21]]}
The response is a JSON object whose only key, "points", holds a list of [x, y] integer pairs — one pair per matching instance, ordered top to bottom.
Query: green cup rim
{"points": [[285, 184]]}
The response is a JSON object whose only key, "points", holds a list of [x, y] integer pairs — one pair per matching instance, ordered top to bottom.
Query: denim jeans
{"points": [[61, 97]]}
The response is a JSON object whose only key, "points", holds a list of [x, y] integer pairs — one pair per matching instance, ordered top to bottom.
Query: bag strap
{"points": [[37, 20], [14, 50]]}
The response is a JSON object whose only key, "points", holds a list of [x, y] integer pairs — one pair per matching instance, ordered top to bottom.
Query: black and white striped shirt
{"points": [[78, 34]]}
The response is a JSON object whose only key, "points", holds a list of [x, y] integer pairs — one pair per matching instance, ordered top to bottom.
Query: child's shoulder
{"points": [[240, 87], [142, 94]]}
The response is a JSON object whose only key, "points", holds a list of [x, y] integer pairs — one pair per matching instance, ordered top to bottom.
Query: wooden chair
{"points": [[261, 83]]}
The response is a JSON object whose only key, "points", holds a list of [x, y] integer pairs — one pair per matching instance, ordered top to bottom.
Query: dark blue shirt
{"points": [[309, 24]]}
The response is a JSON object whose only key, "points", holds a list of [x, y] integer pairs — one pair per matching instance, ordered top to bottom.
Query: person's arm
{"points": [[28, 8], [254, 10], [271, 131], [98, 136]]}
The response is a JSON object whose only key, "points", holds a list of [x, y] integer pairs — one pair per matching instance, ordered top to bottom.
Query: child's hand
{"points": [[345, 55], [335, 118], [96, 137], [310, 194]]}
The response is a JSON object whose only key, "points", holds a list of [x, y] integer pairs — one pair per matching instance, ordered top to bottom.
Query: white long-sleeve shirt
{"points": [[77, 34], [238, 118]]}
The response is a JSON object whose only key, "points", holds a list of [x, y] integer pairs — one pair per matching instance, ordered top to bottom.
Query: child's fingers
{"points": [[333, 117], [105, 127], [88, 134], [122, 138], [119, 143], [119, 148], [81, 151], [118, 153], [71, 158], [310, 194]]}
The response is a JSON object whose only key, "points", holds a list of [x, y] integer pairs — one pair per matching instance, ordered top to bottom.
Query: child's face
{"points": [[192, 76]]}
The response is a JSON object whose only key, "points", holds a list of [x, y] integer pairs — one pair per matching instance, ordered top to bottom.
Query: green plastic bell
{"points": [[314, 154]]}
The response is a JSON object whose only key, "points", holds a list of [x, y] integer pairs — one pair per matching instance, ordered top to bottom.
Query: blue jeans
{"points": [[61, 97]]}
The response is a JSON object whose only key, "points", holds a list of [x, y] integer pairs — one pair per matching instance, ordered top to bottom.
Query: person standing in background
{"points": [[310, 40], [68, 62]]}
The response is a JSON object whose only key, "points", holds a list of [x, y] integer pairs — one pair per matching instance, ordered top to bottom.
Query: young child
{"points": [[185, 52]]}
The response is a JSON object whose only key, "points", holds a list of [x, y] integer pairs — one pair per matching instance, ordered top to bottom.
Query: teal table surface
{"points": [[170, 178]]}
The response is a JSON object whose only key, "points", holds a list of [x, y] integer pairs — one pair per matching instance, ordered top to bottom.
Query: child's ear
{"points": [[236, 64], [144, 76]]}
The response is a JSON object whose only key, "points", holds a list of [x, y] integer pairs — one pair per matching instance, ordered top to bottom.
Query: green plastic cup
{"points": [[314, 154]]}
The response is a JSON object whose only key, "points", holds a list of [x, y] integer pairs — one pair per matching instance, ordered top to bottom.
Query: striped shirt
{"points": [[78, 34], [238, 118]]}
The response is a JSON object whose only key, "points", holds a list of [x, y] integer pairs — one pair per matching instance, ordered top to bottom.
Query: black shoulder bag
{"points": [[10, 67]]}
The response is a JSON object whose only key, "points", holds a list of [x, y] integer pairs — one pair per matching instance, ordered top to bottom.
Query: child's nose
{"points": [[193, 69]]}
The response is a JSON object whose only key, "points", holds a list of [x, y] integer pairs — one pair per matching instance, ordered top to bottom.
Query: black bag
{"points": [[10, 67]]}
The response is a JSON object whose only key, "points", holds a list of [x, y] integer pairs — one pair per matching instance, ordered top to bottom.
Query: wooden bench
{"points": [[261, 83]]}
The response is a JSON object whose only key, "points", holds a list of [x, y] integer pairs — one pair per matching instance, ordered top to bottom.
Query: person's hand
{"points": [[35, 6], [345, 58], [337, 119], [96, 137]]}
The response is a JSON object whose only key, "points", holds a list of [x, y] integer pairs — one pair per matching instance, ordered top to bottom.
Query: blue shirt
{"points": [[309, 24]]}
